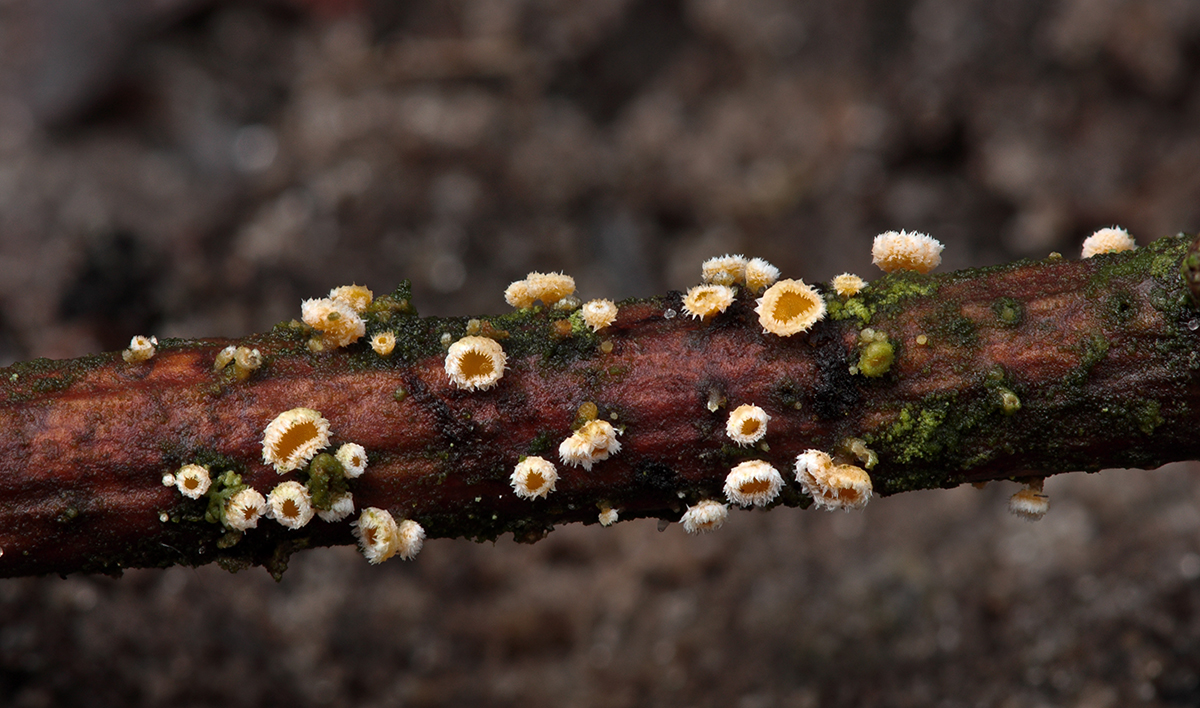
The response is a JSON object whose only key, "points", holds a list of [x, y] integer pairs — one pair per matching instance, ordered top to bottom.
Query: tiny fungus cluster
{"points": [[768, 391]]}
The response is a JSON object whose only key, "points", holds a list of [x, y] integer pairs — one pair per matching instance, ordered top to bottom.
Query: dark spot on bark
{"points": [[835, 391], [656, 475]]}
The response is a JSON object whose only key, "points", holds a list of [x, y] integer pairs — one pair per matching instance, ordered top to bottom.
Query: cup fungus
{"points": [[1110, 240], [906, 250], [724, 270], [760, 274], [848, 284], [547, 287], [358, 297], [705, 301], [789, 307], [599, 314], [337, 321], [383, 343], [140, 349], [224, 358], [475, 363], [747, 424], [292, 439], [594, 441], [353, 458], [534, 477], [192, 481], [753, 483], [832, 486], [1031, 503], [290, 505], [341, 508], [244, 509], [707, 515], [608, 516], [377, 534], [410, 539]]}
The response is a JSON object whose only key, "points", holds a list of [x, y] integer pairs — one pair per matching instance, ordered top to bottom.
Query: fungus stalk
{"points": [[1020, 371]]}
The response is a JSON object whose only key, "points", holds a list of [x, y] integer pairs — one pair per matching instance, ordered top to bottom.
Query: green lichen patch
{"points": [[1009, 312], [876, 359]]}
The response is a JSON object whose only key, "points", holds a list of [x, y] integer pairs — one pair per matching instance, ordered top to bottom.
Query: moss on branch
{"points": [[1024, 370]]}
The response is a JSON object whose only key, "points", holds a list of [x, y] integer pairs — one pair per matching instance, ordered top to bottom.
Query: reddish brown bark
{"points": [[1101, 354]]}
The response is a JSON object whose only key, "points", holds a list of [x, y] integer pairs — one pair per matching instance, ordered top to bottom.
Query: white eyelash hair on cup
{"points": [[1110, 240], [906, 250], [724, 270], [760, 274], [848, 284], [358, 297], [706, 301], [789, 307], [599, 314], [337, 321], [384, 343], [140, 349], [475, 363], [747, 424], [292, 439], [593, 442], [353, 458], [533, 477], [192, 481], [753, 483], [832, 486], [1031, 503], [290, 505], [244, 509], [339, 510], [705, 516], [377, 534], [410, 539]]}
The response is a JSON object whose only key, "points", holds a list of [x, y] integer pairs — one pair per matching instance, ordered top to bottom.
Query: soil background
{"points": [[188, 167]]}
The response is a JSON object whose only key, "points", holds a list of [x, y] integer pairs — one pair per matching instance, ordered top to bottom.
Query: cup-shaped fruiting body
{"points": [[1111, 240], [906, 250], [724, 270], [760, 274], [848, 284], [547, 287], [358, 297], [705, 301], [790, 307], [599, 314], [337, 321], [384, 343], [140, 349], [224, 357], [245, 362], [475, 363], [747, 424], [292, 439], [593, 442], [353, 458], [534, 477], [192, 481], [753, 483], [832, 486], [1031, 503], [290, 505], [244, 509], [340, 509], [708, 515], [608, 516], [377, 533], [410, 539]]}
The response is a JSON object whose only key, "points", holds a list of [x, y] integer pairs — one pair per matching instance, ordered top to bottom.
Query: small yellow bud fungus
{"points": [[1111, 240], [906, 250], [725, 270], [760, 274], [848, 284], [547, 287], [518, 295], [358, 297], [705, 301], [789, 307], [599, 314], [337, 322], [383, 343], [140, 349], [224, 358], [245, 362], [475, 363], [747, 424], [292, 439], [593, 442], [353, 458], [534, 477], [168, 480], [192, 481], [753, 483], [832, 486], [1031, 503], [290, 505], [244, 509], [339, 510], [708, 515], [608, 516], [377, 533], [410, 539]]}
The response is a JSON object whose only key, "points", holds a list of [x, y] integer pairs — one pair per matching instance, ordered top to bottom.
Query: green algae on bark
{"points": [[1027, 369]]}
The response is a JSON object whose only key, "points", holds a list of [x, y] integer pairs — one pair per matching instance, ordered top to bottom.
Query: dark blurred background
{"points": [[183, 167]]}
